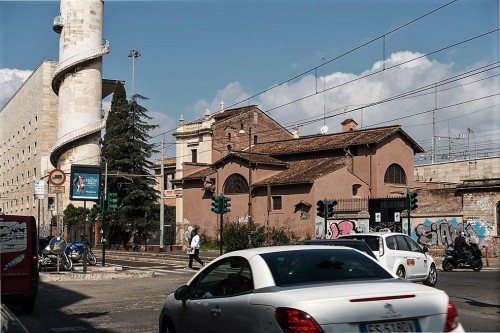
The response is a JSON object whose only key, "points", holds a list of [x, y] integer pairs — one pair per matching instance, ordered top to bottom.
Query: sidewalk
{"points": [[116, 272]]}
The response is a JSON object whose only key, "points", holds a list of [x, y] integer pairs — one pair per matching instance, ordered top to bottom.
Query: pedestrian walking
{"points": [[194, 249]]}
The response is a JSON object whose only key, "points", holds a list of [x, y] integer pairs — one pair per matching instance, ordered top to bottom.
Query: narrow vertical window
{"points": [[194, 155]]}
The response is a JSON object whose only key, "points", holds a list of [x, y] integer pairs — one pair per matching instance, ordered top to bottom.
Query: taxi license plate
{"points": [[392, 326]]}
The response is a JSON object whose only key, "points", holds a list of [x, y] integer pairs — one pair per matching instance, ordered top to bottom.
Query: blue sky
{"points": [[196, 53]]}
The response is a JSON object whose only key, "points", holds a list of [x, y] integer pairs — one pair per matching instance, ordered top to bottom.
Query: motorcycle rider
{"points": [[463, 247]]}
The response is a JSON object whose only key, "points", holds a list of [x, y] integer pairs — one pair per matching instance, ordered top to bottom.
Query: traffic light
{"points": [[112, 200], [413, 200], [216, 204], [226, 204], [331, 204], [320, 208]]}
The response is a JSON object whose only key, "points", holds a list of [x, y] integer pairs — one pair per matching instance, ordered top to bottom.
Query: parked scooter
{"points": [[75, 252], [47, 258], [453, 259]]}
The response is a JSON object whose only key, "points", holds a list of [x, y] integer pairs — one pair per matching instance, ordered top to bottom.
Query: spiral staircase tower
{"points": [[77, 80]]}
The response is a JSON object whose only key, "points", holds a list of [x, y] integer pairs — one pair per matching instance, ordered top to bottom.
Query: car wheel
{"points": [[447, 266], [401, 272], [432, 277], [167, 326]]}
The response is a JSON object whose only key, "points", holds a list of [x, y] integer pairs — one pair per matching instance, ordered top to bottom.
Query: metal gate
{"points": [[385, 213]]}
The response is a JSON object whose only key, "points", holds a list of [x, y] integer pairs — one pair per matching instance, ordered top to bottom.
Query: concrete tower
{"points": [[77, 80]]}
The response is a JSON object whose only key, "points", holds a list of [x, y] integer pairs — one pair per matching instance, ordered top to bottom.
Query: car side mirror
{"points": [[425, 249], [182, 293]]}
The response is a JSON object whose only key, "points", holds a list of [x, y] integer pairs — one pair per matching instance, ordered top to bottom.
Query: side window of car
{"points": [[391, 243], [402, 245], [413, 245], [231, 276]]}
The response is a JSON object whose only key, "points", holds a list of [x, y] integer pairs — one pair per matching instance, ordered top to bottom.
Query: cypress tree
{"points": [[126, 150]]}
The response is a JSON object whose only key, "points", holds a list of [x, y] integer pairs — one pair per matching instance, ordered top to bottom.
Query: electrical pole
{"points": [[162, 195]]}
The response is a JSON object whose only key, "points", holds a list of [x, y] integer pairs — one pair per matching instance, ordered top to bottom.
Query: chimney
{"points": [[349, 125], [296, 133]]}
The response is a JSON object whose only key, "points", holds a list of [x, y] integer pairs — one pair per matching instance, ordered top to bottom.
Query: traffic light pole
{"points": [[103, 210], [221, 216], [326, 217], [84, 236]]}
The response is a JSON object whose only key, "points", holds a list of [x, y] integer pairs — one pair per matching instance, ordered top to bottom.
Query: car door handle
{"points": [[216, 312]]}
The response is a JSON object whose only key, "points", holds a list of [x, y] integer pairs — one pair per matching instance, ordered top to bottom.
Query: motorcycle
{"points": [[75, 252], [47, 258], [453, 259]]}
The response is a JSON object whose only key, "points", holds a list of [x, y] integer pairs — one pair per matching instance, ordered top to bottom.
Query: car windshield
{"points": [[371, 241], [358, 245], [317, 266]]}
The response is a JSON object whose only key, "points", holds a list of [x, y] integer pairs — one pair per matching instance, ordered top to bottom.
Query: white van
{"points": [[400, 254]]}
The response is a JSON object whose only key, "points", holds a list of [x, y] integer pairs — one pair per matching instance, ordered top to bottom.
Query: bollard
{"points": [[486, 250]]}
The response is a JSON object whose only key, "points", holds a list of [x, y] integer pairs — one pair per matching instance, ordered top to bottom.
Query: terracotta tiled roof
{"points": [[333, 141], [254, 158], [305, 171], [201, 173]]}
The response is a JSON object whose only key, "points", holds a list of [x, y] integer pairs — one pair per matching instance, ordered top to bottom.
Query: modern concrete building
{"points": [[55, 118]]}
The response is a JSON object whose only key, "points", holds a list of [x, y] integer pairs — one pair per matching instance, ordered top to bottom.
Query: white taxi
{"points": [[400, 254]]}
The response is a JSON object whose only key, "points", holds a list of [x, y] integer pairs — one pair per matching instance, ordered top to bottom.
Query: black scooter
{"points": [[453, 259]]}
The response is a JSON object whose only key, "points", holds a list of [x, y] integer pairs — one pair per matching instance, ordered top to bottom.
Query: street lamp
{"points": [[133, 54], [242, 131]]}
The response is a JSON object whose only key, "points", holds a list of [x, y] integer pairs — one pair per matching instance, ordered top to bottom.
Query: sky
{"points": [[307, 63]]}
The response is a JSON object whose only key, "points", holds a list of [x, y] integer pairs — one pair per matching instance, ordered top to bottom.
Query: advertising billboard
{"points": [[85, 182]]}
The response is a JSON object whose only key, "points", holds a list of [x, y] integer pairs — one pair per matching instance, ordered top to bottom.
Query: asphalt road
{"points": [[476, 296], [133, 304], [130, 305]]}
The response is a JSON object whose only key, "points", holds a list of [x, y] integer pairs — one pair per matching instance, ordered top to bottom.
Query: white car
{"points": [[400, 254], [304, 288]]}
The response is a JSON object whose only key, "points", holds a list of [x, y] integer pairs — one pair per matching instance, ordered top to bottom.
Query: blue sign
{"points": [[85, 182], [58, 245]]}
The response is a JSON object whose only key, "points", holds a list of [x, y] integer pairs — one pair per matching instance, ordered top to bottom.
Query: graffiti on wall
{"points": [[484, 204], [336, 229], [442, 232]]}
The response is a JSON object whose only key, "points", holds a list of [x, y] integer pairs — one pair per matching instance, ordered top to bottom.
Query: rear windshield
{"points": [[371, 241], [322, 265]]}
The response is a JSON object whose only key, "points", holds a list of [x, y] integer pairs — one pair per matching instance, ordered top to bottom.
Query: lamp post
{"points": [[133, 54]]}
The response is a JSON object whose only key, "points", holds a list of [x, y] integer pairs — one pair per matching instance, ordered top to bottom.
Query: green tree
{"points": [[126, 150], [73, 216]]}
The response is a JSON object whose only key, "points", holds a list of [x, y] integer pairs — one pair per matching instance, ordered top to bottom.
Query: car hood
{"points": [[359, 302]]}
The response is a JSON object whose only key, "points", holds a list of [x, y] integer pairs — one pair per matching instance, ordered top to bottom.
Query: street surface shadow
{"points": [[473, 302], [49, 314]]}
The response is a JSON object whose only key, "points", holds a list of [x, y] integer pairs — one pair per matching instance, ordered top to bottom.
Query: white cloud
{"points": [[399, 74], [10, 81]]}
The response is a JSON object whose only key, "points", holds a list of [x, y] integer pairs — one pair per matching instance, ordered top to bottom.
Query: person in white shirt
{"points": [[195, 249]]}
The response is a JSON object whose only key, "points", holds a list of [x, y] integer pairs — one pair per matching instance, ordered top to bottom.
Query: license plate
{"points": [[392, 326]]}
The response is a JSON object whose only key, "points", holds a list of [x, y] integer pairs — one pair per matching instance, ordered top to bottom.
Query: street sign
{"points": [[57, 177], [39, 189], [56, 189], [378, 217], [397, 217], [58, 245]]}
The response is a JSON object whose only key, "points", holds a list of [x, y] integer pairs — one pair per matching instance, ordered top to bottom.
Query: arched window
{"points": [[395, 174], [234, 184]]}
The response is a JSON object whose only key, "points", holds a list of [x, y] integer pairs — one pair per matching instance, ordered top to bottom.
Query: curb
{"points": [[93, 273]]}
